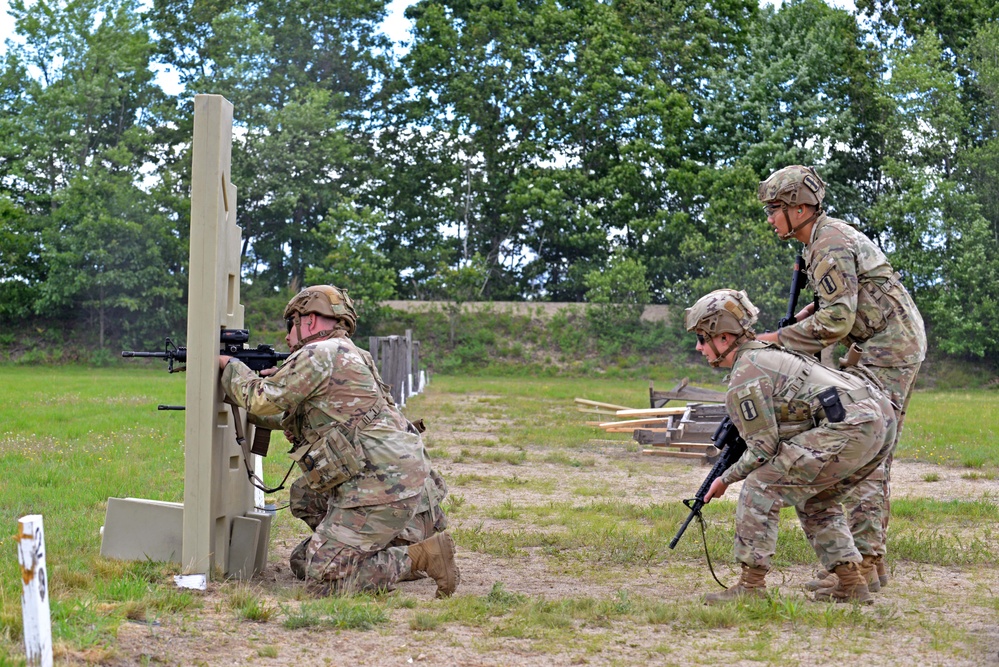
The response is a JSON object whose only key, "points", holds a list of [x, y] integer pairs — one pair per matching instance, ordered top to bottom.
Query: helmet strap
{"points": [[787, 218], [305, 340], [736, 342]]}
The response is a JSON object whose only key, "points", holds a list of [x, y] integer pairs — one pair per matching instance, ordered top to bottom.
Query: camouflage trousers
{"points": [[813, 471], [868, 505], [311, 507], [350, 550]]}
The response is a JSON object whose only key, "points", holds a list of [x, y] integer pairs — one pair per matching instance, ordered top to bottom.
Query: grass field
{"points": [[561, 541]]}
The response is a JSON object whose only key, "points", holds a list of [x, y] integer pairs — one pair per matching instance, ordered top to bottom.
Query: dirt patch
{"points": [[926, 615]]}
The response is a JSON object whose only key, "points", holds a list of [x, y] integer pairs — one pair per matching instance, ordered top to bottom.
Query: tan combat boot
{"points": [[435, 556], [882, 570], [870, 573], [821, 580], [751, 584], [849, 586]]}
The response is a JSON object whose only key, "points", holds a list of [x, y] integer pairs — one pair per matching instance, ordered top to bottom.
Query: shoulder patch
{"points": [[830, 281], [749, 402]]}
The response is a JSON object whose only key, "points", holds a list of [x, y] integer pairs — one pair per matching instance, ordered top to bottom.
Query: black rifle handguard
{"points": [[797, 282]]}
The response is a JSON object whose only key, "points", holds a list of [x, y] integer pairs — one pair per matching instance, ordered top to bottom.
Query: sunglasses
{"points": [[290, 322], [701, 339]]}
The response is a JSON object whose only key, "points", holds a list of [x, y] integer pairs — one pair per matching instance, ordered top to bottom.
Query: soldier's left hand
{"points": [[717, 490]]}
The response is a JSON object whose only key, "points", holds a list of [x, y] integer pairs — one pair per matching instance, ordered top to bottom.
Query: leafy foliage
{"points": [[510, 150]]}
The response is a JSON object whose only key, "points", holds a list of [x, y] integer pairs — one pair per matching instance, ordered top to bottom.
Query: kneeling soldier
{"points": [[812, 433]]}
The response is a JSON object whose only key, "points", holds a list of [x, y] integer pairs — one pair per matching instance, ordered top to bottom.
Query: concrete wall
{"points": [[653, 313]]}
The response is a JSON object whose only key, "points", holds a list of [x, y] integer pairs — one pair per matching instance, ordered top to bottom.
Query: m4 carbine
{"points": [[798, 279], [233, 344], [732, 446]]}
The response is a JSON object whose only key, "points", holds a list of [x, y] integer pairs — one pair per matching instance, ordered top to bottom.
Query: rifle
{"points": [[797, 282], [233, 344], [732, 446]]}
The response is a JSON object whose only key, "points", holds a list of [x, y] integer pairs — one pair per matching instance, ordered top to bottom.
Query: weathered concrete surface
{"points": [[651, 313]]}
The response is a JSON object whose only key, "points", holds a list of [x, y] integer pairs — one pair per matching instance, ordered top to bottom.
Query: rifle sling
{"points": [[241, 441]]}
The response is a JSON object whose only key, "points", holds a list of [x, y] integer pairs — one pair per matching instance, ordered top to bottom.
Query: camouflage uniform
{"points": [[856, 287], [328, 386], [796, 455]]}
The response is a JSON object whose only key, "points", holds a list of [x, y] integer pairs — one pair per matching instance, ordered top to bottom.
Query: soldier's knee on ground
{"points": [[299, 557]]}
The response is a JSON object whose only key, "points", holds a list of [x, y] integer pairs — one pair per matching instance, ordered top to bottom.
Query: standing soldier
{"points": [[861, 300], [811, 433], [367, 489]]}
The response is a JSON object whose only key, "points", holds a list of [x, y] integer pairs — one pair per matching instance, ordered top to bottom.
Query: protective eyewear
{"points": [[772, 208], [290, 322], [701, 339]]}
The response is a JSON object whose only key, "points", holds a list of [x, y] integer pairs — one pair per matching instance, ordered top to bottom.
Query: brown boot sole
{"points": [[447, 587]]}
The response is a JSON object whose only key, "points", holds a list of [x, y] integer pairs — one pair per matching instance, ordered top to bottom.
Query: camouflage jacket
{"points": [[844, 269], [329, 383], [772, 396]]}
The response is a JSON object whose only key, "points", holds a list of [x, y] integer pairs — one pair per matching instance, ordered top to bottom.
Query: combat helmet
{"points": [[793, 186], [324, 300], [722, 311]]}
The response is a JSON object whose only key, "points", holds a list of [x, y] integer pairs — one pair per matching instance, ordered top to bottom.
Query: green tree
{"points": [[304, 78], [79, 134], [353, 262], [620, 286]]}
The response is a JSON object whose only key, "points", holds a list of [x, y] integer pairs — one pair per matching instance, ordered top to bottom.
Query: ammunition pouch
{"points": [[874, 308], [830, 404], [832, 407], [333, 457], [327, 462]]}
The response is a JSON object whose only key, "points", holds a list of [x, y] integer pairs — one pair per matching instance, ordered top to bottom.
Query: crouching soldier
{"points": [[812, 433], [367, 489]]}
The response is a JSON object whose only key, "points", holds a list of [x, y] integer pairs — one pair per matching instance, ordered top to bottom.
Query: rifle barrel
{"points": [[157, 355]]}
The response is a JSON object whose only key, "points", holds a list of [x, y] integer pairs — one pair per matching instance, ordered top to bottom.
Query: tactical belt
{"points": [[800, 411]]}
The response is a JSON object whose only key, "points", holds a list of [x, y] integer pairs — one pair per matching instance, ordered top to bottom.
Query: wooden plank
{"points": [[684, 392], [598, 404], [597, 411], [650, 412], [636, 422], [708, 428], [632, 429], [598, 441], [709, 450], [662, 451], [36, 618]]}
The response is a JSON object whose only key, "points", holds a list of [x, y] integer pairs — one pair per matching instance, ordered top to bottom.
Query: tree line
{"points": [[569, 150]]}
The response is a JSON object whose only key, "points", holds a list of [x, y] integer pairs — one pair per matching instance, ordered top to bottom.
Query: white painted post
{"points": [[35, 591]]}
